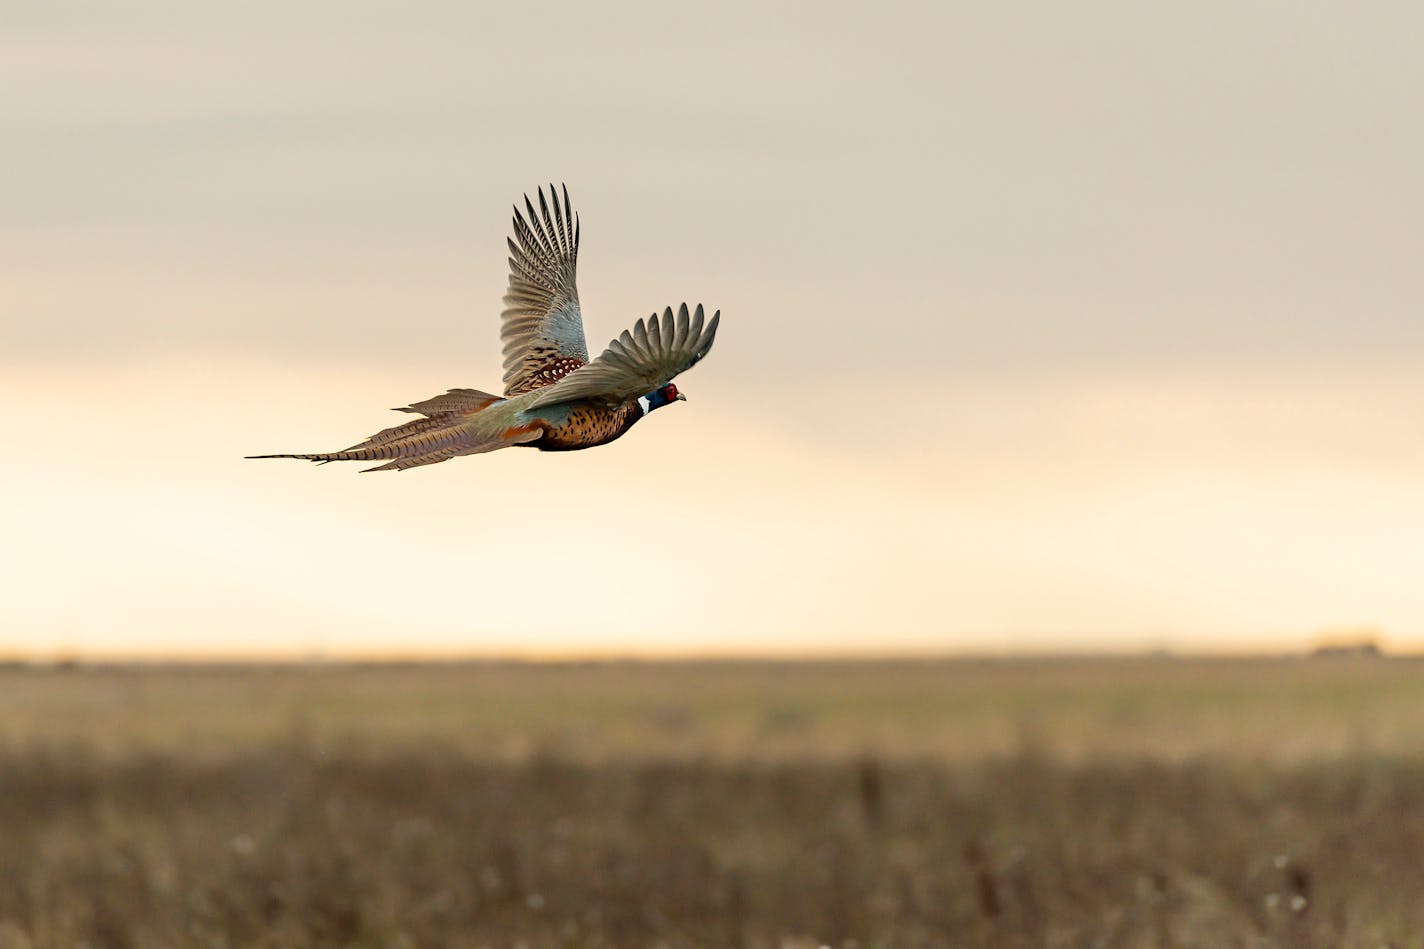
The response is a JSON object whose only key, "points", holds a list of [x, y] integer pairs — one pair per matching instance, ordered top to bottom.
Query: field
{"points": [[1074, 802]]}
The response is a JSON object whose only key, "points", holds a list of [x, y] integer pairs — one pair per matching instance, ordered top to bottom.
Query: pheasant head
{"points": [[660, 397]]}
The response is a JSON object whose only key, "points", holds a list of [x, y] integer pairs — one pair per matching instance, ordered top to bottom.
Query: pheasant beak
{"points": [[681, 397]]}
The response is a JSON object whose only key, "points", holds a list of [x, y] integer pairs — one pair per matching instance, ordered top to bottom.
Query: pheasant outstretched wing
{"points": [[541, 327], [638, 361]]}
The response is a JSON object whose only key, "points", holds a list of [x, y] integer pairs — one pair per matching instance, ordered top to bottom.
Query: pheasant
{"points": [[555, 398]]}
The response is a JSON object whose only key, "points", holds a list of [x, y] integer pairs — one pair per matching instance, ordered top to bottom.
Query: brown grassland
{"points": [[1078, 802]]}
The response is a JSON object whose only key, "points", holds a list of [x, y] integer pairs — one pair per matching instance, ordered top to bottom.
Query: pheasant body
{"points": [[555, 398], [586, 425]]}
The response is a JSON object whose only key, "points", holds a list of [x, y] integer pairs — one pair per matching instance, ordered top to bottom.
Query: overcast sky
{"points": [[1044, 325]]}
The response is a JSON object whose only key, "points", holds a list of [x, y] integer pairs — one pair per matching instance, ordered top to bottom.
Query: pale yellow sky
{"points": [[1043, 328]]}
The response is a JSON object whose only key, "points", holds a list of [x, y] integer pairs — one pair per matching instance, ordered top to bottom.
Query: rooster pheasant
{"points": [[554, 399]]}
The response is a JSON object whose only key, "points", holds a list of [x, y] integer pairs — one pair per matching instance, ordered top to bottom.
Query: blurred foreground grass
{"points": [[1106, 802]]}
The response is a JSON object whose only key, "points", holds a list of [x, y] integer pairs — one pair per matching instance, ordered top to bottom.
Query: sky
{"points": [[1045, 326]]}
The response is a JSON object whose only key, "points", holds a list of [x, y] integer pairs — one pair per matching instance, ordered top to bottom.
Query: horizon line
{"points": [[1364, 647]]}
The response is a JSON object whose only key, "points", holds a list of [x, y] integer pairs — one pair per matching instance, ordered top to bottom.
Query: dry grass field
{"points": [[1084, 802]]}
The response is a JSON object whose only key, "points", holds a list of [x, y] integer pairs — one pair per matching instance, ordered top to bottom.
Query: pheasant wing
{"points": [[541, 327], [639, 361]]}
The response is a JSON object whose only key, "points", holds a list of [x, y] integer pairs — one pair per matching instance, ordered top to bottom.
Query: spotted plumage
{"points": [[542, 366], [555, 398], [587, 425]]}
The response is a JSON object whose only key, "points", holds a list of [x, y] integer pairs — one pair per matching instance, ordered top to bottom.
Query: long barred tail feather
{"points": [[456, 400], [448, 430]]}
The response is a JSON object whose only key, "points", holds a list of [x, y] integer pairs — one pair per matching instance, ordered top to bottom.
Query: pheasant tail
{"points": [[456, 400], [452, 427]]}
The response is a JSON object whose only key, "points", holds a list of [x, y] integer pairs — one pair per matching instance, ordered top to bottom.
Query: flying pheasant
{"points": [[554, 399]]}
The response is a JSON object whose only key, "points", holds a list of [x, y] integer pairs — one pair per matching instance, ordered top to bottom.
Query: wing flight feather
{"points": [[542, 327], [637, 362]]}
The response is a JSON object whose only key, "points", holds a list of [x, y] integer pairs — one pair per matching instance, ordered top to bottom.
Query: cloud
{"points": [[884, 195]]}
